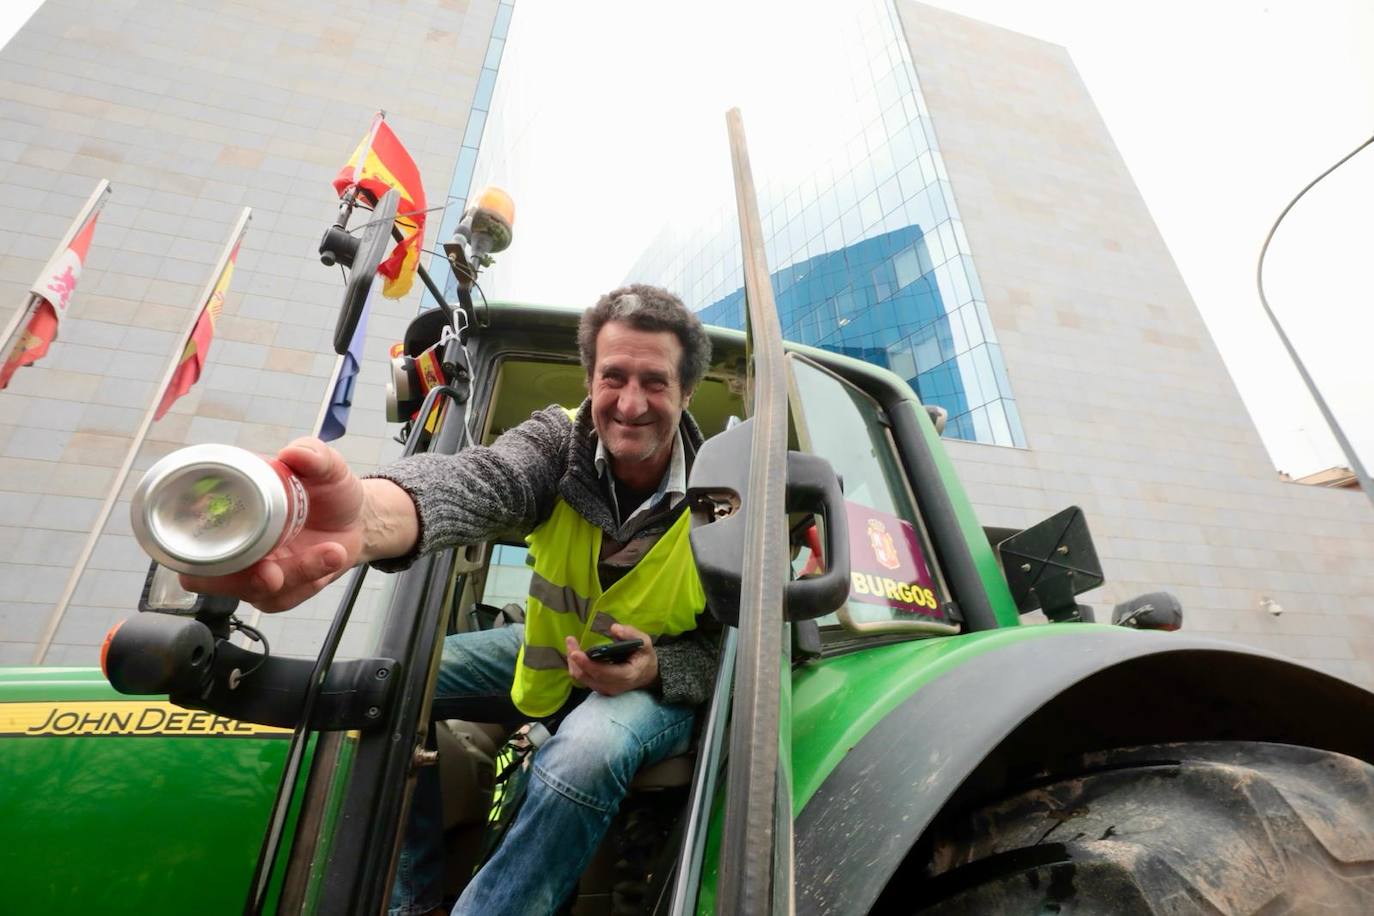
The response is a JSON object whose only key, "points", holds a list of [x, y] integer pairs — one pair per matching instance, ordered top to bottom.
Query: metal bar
{"points": [[93, 203], [425, 278], [8, 342], [328, 395], [1355, 465], [940, 515], [55, 619], [295, 754], [756, 846], [784, 855], [687, 882]]}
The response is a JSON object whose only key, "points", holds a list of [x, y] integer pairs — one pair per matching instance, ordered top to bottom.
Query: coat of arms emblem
{"points": [[884, 550]]}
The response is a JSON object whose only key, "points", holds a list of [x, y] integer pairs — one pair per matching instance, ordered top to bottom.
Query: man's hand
{"points": [[339, 533], [611, 679]]}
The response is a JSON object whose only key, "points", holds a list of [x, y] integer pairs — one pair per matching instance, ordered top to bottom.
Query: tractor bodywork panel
{"points": [[121, 802]]}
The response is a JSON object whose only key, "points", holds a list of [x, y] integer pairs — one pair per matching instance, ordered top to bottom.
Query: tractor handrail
{"points": [[756, 844]]}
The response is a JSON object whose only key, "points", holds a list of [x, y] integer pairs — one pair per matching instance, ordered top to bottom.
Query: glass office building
{"points": [[460, 183], [868, 253]]}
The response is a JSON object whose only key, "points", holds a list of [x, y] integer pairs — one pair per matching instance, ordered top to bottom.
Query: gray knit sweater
{"points": [[508, 488]]}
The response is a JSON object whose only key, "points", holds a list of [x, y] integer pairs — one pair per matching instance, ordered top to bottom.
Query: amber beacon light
{"points": [[485, 228]]}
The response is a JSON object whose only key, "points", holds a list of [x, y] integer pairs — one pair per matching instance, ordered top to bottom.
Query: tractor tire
{"points": [[1215, 827]]}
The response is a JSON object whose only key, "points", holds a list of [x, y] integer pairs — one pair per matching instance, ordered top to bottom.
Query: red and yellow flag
{"points": [[379, 163], [54, 290], [198, 347]]}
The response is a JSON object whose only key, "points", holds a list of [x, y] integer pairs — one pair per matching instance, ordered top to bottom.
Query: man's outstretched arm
{"points": [[412, 506], [350, 521]]}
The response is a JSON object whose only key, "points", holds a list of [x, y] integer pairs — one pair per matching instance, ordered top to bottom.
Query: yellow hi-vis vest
{"points": [[660, 595]]}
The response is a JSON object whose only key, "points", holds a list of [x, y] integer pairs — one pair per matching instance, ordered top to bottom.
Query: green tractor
{"points": [[885, 734]]}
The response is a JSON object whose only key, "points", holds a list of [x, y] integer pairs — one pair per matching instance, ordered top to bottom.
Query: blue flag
{"points": [[335, 421]]}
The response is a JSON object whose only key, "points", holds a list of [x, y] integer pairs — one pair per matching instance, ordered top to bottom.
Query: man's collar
{"points": [[583, 486], [672, 487]]}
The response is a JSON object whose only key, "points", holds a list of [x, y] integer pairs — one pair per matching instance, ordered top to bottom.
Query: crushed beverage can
{"points": [[212, 510]]}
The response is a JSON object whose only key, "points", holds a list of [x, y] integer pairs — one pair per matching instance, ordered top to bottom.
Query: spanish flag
{"points": [[381, 162], [53, 291], [198, 347]]}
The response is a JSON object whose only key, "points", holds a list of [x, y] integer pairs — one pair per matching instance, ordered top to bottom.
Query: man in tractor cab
{"points": [[600, 494]]}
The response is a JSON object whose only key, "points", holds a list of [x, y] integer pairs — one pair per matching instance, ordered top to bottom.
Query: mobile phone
{"points": [[615, 653]]}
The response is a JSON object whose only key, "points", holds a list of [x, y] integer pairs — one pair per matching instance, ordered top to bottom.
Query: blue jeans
{"points": [[578, 780]]}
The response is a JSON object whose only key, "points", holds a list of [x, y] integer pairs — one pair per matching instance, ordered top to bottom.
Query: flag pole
{"points": [[93, 203], [21, 318], [328, 395], [55, 619]]}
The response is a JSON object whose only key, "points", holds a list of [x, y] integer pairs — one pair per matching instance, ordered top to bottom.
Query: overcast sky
{"points": [[1222, 110]]}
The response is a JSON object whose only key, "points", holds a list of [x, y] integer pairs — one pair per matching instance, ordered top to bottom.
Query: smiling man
{"points": [[599, 493]]}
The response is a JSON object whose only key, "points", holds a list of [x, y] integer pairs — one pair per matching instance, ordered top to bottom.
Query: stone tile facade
{"points": [[194, 111], [1127, 407]]}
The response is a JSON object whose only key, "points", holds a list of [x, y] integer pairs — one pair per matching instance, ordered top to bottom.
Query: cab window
{"points": [[895, 583]]}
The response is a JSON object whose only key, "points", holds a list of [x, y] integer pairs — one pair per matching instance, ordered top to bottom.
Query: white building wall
{"points": [[194, 111], [1127, 407]]}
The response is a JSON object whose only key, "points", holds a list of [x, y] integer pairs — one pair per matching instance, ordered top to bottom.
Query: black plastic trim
{"points": [[942, 522], [719, 546], [352, 695]]}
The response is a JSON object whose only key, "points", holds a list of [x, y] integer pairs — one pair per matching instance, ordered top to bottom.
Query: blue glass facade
{"points": [[460, 185], [869, 255], [881, 300]]}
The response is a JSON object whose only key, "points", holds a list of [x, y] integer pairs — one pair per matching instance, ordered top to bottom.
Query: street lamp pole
{"points": [[1360, 473]]}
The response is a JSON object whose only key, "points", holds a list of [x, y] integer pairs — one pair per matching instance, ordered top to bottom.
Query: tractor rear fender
{"points": [[955, 741]]}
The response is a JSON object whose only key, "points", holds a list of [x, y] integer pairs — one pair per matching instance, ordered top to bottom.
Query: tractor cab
{"points": [[522, 359]]}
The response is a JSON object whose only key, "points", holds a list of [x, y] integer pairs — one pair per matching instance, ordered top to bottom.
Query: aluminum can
{"points": [[212, 510]]}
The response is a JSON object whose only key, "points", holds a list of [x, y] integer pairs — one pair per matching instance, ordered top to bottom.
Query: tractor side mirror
{"points": [[370, 250], [938, 417], [1050, 563], [1154, 611]]}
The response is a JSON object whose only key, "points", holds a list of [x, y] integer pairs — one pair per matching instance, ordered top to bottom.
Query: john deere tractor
{"points": [[886, 735]]}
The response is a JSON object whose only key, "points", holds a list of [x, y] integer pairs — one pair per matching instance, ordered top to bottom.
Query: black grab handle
{"points": [[812, 486], [718, 489]]}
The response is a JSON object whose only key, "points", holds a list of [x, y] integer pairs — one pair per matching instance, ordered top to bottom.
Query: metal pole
{"points": [[93, 203], [21, 317], [328, 395], [1360, 473], [55, 620], [756, 844]]}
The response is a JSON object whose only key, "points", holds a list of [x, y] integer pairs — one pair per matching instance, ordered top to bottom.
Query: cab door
{"points": [[896, 584]]}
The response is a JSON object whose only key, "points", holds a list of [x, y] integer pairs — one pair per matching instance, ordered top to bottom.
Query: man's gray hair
{"points": [[648, 308]]}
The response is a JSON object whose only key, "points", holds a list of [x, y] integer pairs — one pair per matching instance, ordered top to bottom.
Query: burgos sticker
{"points": [[887, 566]]}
